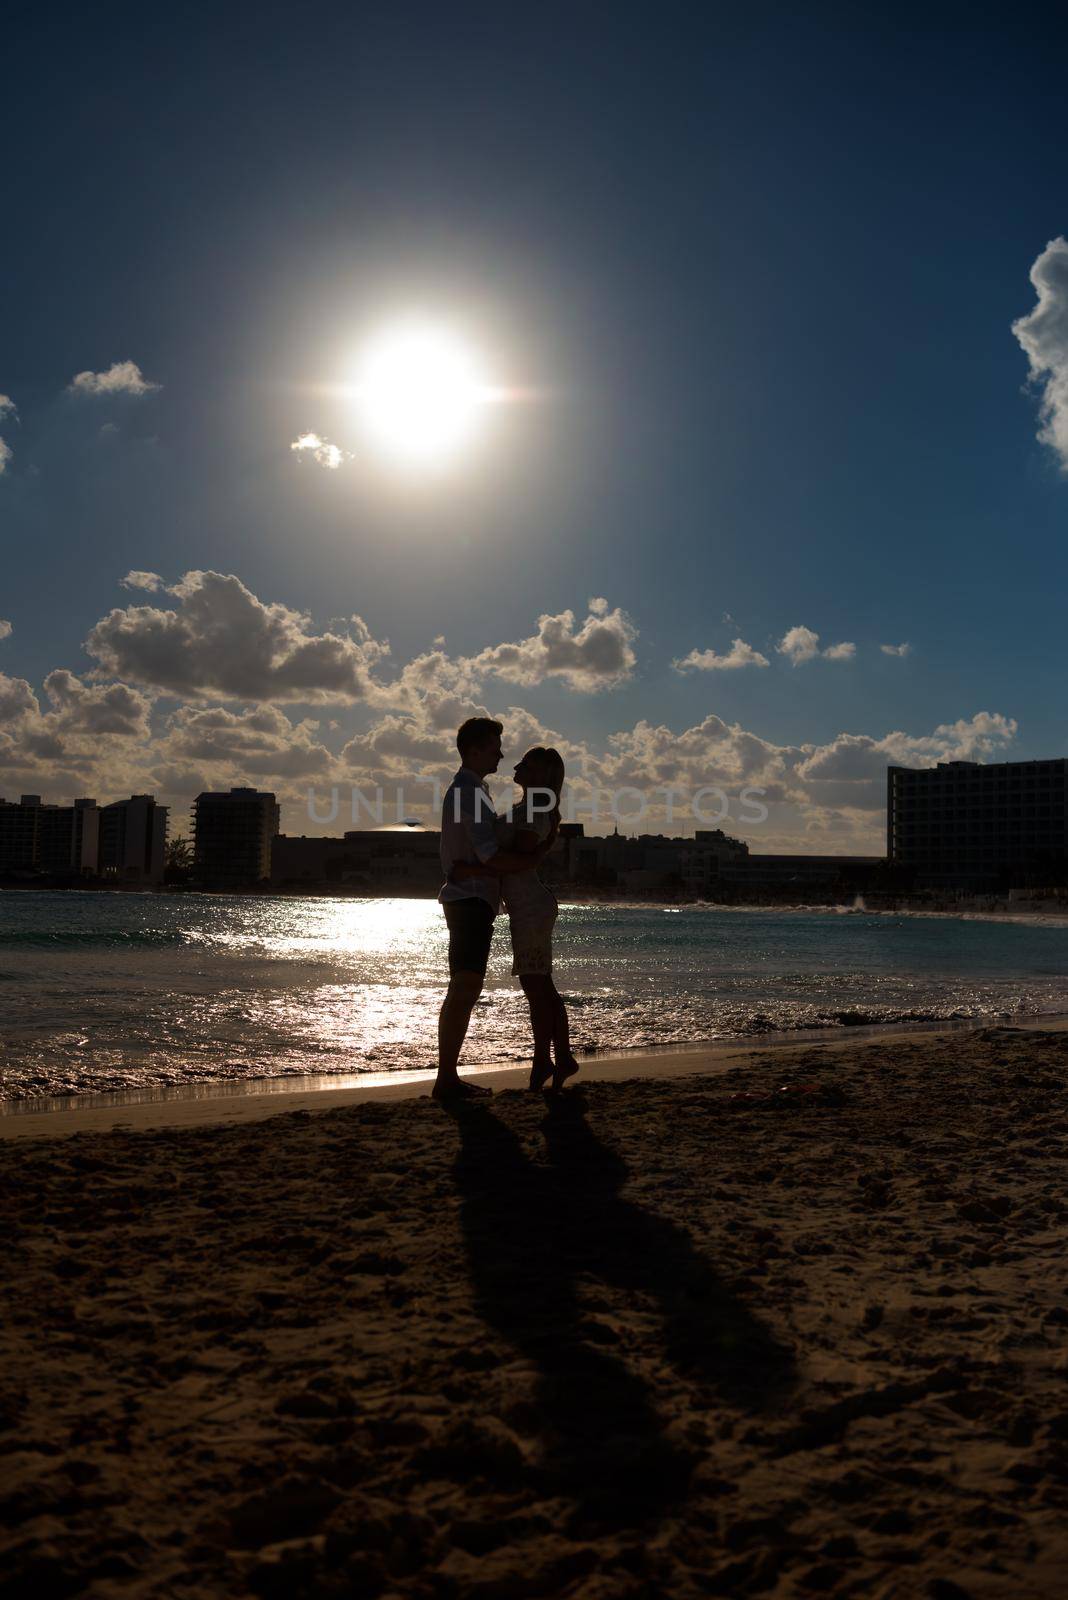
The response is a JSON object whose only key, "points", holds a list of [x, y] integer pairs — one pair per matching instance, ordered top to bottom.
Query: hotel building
{"points": [[965, 825], [232, 834], [133, 839], [58, 840], [398, 860]]}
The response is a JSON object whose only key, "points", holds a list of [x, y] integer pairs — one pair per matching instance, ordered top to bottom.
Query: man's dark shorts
{"points": [[470, 925]]}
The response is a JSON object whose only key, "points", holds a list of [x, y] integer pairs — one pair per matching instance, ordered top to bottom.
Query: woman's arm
{"points": [[522, 858]]}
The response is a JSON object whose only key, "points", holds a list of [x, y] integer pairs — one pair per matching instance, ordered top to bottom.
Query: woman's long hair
{"points": [[550, 766]]}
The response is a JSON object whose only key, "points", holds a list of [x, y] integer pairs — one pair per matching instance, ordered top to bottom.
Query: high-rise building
{"points": [[963, 824], [18, 833], [232, 834], [133, 839], [58, 840], [86, 842]]}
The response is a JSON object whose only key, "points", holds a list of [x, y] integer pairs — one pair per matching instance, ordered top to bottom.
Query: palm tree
{"points": [[178, 861]]}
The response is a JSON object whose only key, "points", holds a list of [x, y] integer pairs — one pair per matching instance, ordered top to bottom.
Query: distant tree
{"points": [[178, 861]]}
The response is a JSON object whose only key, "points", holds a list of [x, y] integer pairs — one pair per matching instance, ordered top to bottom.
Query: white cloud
{"points": [[1043, 335], [122, 377], [7, 408], [320, 450], [6, 630], [209, 639], [223, 643], [800, 644], [902, 649], [740, 654], [597, 655], [17, 699], [98, 708], [88, 732], [94, 737], [970, 740], [422, 741], [260, 742], [858, 758], [839, 787], [821, 798]]}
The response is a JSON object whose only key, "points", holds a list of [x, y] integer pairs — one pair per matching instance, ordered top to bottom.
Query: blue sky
{"points": [[759, 271]]}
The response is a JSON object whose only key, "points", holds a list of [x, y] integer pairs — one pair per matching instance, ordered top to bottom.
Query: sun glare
{"points": [[421, 394]]}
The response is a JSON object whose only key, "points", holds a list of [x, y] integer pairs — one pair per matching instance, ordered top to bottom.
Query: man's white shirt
{"points": [[468, 833]]}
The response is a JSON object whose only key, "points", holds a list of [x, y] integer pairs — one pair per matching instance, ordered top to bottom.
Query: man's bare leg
{"points": [[453, 1019]]}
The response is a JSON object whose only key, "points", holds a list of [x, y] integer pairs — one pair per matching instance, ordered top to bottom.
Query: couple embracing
{"points": [[489, 859]]}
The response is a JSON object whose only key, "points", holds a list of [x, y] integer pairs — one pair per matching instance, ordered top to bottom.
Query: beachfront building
{"points": [[967, 825], [18, 833], [232, 837], [85, 840], [133, 840], [58, 841], [712, 855], [398, 860], [403, 860], [651, 860], [714, 866], [791, 875]]}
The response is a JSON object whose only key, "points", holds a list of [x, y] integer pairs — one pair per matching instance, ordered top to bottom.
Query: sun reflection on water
{"points": [[397, 928]]}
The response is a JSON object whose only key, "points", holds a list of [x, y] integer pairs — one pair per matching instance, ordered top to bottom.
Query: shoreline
{"points": [[1052, 912], [213, 1104]]}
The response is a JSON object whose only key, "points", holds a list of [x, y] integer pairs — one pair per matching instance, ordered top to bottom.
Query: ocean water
{"points": [[110, 992]]}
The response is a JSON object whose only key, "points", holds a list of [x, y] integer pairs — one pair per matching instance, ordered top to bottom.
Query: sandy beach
{"points": [[796, 1326]]}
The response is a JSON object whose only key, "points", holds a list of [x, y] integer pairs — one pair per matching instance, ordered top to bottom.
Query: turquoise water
{"points": [[117, 991]]}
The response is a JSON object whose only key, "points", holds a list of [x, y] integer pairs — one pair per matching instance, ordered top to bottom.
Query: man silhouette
{"points": [[468, 834]]}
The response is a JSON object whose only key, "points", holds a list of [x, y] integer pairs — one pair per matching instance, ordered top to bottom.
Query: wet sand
{"points": [[795, 1326]]}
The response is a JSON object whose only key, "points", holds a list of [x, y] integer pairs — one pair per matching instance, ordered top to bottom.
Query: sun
{"points": [[421, 393]]}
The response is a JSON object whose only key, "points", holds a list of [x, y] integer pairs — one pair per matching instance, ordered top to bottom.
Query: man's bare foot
{"points": [[566, 1067], [540, 1073], [458, 1089]]}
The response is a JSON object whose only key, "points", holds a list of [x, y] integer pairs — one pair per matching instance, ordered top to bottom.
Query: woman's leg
{"points": [[539, 992], [561, 1027], [566, 1065]]}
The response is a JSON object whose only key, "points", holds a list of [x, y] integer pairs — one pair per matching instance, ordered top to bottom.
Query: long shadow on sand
{"points": [[536, 1234]]}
